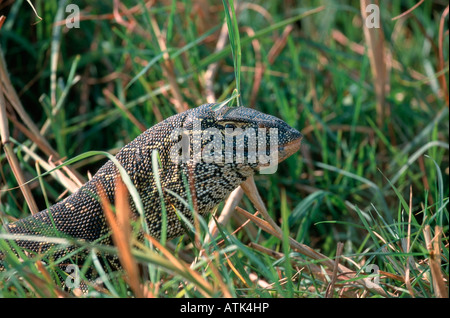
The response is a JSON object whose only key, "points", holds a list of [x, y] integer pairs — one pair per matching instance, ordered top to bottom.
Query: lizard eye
{"points": [[230, 126]]}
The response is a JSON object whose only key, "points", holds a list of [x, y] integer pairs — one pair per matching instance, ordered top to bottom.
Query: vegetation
{"points": [[369, 188]]}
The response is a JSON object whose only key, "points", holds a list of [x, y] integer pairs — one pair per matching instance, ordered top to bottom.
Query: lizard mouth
{"points": [[288, 149], [284, 151]]}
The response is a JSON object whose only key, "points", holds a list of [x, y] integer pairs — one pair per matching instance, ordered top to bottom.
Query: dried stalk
{"points": [[377, 57], [168, 69], [9, 152], [271, 227], [433, 247], [329, 293]]}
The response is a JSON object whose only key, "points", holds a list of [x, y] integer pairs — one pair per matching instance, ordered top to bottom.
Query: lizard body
{"points": [[81, 215]]}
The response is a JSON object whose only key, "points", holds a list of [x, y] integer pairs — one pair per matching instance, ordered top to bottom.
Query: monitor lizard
{"points": [[81, 216]]}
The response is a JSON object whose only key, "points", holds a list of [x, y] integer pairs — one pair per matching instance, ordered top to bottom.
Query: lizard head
{"points": [[237, 137]]}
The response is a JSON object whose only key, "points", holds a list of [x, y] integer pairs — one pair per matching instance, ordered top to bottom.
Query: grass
{"points": [[372, 173]]}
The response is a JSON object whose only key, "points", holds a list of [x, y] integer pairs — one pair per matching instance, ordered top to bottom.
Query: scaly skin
{"points": [[81, 216]]}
